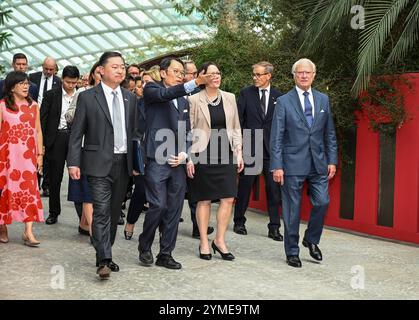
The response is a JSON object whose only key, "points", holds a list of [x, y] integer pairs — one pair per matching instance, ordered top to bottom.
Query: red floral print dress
{"points": [[20, 200]]}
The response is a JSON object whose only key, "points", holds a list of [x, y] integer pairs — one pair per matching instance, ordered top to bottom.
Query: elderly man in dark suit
{"points": [[20, 63], [256, 105], [106, 117], [167, 126], [56, 135], [303, 147]]}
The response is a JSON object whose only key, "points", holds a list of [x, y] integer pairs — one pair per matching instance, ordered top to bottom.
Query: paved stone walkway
{"points": [[354, 267]]}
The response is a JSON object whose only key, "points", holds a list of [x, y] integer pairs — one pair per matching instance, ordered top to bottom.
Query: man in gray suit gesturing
{"points": [[105, 116], [303, 147]]}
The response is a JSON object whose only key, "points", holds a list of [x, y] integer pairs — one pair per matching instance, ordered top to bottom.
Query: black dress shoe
{"points": [[51, 219], [121, 221], [240, 229], [84, 232], [195, 232], [275, 235], [315, 252], [204, 256], [226, 256], [146, 258], [167, 261], [294, 261], [113, 266], [104, 272]]}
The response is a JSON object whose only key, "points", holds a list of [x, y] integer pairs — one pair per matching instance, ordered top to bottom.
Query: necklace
{"points": [[216, 102]]}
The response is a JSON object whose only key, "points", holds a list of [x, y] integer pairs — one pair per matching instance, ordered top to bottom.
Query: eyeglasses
{"points": [[177, 72], [215, 73], [302, 73], [258, 75], [23, 84]]}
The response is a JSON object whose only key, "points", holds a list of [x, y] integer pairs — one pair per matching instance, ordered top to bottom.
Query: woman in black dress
{"points": [[216, 158]]}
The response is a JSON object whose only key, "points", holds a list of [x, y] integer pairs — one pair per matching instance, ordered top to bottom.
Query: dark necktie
{"points": [[45, 87], [263, 101], [308, 109]]}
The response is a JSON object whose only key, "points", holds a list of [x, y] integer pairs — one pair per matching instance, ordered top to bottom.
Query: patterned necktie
{"points": [[263, 101], [308, 109], [117, 121]]}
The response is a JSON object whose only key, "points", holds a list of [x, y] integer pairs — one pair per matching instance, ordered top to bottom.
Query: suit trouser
{"points": [[57, 155], [165, 193], [107, 194], [273, 196], [138, 200], [291, 206]]}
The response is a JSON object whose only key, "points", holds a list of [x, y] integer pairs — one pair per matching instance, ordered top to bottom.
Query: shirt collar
{"points": [[268, 89], [108, 90], [301, 91], [67, 95]]}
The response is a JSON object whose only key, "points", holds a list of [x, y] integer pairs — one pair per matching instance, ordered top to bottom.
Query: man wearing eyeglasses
{"points": [[256, 106], [166, 147], [303, 147]]}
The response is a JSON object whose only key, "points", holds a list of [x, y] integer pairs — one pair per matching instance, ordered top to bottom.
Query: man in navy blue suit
{"points": [[20, 63], [256, 105], [166, 147], [303, 147]]}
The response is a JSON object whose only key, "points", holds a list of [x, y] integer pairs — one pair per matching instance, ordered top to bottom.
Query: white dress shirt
{"points": [[41, 87], [310, 97], [66, 98], [109, 99]]}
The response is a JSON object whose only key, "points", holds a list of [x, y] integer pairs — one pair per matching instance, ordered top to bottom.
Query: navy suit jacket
{"points": [[36, 79], [33, 90], [161, 113], [51, 114], [251, 116], [294, 144]]}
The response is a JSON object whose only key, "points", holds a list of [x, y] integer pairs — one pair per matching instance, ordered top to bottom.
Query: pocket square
{"points": [[321, 110], [185, 111]]}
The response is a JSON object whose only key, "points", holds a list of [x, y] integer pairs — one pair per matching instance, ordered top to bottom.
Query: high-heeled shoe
{"points": [[128, 234], [4, 238], [30, 242], [204, 256], [226, 256]]}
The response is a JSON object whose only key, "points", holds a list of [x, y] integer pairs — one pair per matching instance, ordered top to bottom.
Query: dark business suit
{"points": [[56, 83], [33, 90], [252, 117], [56, 145], [304, 153], [107, 172], [165, 186]]}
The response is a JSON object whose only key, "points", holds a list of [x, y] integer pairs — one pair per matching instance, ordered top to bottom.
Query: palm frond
{"points": [[379, 19], [408, 37]]}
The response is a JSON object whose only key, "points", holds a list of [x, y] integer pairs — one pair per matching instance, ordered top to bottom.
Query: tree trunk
{"points": [[228, 16]]}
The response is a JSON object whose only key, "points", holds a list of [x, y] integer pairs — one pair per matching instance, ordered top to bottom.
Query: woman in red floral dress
{"points": [[21, 154]]}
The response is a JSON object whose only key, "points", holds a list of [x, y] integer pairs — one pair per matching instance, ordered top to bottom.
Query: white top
{"points": [[310, 97], [109, 99], [65, 105]]}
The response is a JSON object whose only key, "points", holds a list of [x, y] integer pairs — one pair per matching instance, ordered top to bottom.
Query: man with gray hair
{"points": [[256, 105], [303, 147]]}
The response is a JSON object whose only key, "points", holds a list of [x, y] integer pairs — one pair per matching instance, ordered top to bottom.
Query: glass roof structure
{"points": [[77, 32]]}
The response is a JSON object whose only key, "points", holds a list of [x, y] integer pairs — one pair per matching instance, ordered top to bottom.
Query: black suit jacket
{"points": [[36, 78], [33, 90], [161, 113], [50, 115], [252, 117], [93, 121]]}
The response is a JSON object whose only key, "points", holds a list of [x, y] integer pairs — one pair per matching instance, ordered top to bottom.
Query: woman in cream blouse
{"points": [[216, 158]]}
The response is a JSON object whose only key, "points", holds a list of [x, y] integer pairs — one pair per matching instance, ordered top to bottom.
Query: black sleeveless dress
{"points": [[215, 173]]}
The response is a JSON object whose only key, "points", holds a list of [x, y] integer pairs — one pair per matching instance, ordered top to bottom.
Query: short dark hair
{"points": [[107, 55], [19, 56], [165, 63], [135, 66], [71, 72], [11, 80]]}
